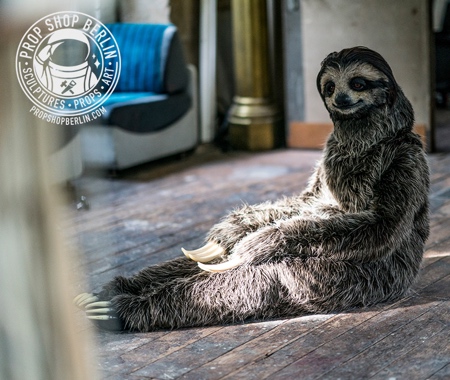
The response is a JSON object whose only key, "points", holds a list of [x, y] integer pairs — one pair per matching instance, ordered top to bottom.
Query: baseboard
{"points": [[314, 135]]}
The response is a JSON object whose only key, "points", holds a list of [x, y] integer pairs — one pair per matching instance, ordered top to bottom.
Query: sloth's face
{"points": [[352, 91]]}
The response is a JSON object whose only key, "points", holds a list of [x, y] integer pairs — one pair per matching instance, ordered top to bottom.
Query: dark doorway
{"points": [[441, 22]]}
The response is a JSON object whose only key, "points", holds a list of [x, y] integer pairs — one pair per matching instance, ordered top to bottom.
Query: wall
{"points": [[154, 11], [399, 31]]}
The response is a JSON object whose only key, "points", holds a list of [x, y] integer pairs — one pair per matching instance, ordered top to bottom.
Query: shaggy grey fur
{"points": [[355, 237]]}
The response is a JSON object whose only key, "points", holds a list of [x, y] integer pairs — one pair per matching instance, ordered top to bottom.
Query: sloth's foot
{"points": [[210, 252], [102, 313]]}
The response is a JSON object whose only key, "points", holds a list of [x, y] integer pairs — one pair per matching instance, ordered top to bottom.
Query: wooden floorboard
{"points": [[143, 217]]}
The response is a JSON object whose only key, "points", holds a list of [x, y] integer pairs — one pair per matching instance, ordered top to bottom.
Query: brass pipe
{"points": [[254, 117]]}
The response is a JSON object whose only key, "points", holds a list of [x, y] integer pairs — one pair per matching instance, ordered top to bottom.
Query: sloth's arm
{"points": [[400, 195], [249, 218]]}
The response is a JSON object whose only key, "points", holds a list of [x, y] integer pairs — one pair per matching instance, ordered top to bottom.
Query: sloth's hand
{"points": [[262, 246]]}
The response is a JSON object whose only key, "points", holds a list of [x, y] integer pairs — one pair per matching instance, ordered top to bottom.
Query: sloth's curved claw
{"points": [[205, 254], [222, 267], [81, 296], [83, 299], [98, 304], [104, 310], [104, 315], [101, 317]]}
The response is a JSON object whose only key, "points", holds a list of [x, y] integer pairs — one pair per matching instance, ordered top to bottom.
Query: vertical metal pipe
{"points": [[208, 51], [254, 117]]}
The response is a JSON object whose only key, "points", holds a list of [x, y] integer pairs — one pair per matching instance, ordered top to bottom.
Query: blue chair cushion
{"points": [[152, 58], [152, 90]]}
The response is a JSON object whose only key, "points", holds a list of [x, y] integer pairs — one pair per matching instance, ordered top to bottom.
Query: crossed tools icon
{"points": [[68, 86]]}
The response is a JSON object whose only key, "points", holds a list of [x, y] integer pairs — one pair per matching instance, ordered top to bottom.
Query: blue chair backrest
{"points": [[144, 49]]}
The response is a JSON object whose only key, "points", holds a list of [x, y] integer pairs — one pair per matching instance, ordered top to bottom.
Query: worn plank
{"points": [[164, 344], [396, 344], [259, 348], [205, 350], [316, 356], [423, 360], [266, 366], [442, 373]]}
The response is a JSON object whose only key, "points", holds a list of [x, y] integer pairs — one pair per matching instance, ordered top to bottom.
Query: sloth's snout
{"points": [[342, 100]]}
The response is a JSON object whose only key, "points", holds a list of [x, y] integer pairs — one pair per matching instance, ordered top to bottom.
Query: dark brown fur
{"points": [[354, 238]]}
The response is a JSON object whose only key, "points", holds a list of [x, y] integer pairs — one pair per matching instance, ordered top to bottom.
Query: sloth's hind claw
{"points": [[83, 299], [98, 304], [104, 315]]}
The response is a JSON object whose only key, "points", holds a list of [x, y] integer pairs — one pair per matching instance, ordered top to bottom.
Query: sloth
{"points": [[353, 238]]}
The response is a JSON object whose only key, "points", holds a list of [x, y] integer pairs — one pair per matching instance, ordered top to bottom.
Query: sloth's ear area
{"points": [[329, 57], [392, 94]]}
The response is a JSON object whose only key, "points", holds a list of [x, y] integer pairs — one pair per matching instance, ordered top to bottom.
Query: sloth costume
{"points": [[355, 237]]}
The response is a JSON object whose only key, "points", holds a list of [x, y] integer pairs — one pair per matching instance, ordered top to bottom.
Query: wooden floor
{"points": [[145, 216]]}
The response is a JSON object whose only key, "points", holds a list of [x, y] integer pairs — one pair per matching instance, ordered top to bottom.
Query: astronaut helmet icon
{"points": [[66, 65]]}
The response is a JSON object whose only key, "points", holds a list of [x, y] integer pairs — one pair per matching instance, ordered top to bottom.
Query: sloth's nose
{"points": [[342, 100]]}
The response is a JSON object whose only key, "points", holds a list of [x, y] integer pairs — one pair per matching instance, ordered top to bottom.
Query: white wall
{"points": [[145, 11], [398, 30]]}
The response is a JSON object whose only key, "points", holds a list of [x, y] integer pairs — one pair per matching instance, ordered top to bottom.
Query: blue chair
{"points": [[152, 113]]}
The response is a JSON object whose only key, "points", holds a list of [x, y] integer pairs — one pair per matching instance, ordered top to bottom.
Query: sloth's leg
{"points": [[148, 278], [202, 299], [98, 306]]}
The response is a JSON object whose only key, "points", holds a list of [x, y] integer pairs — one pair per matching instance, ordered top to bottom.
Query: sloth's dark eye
{"points": [[358, 84], [329, 88]]}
